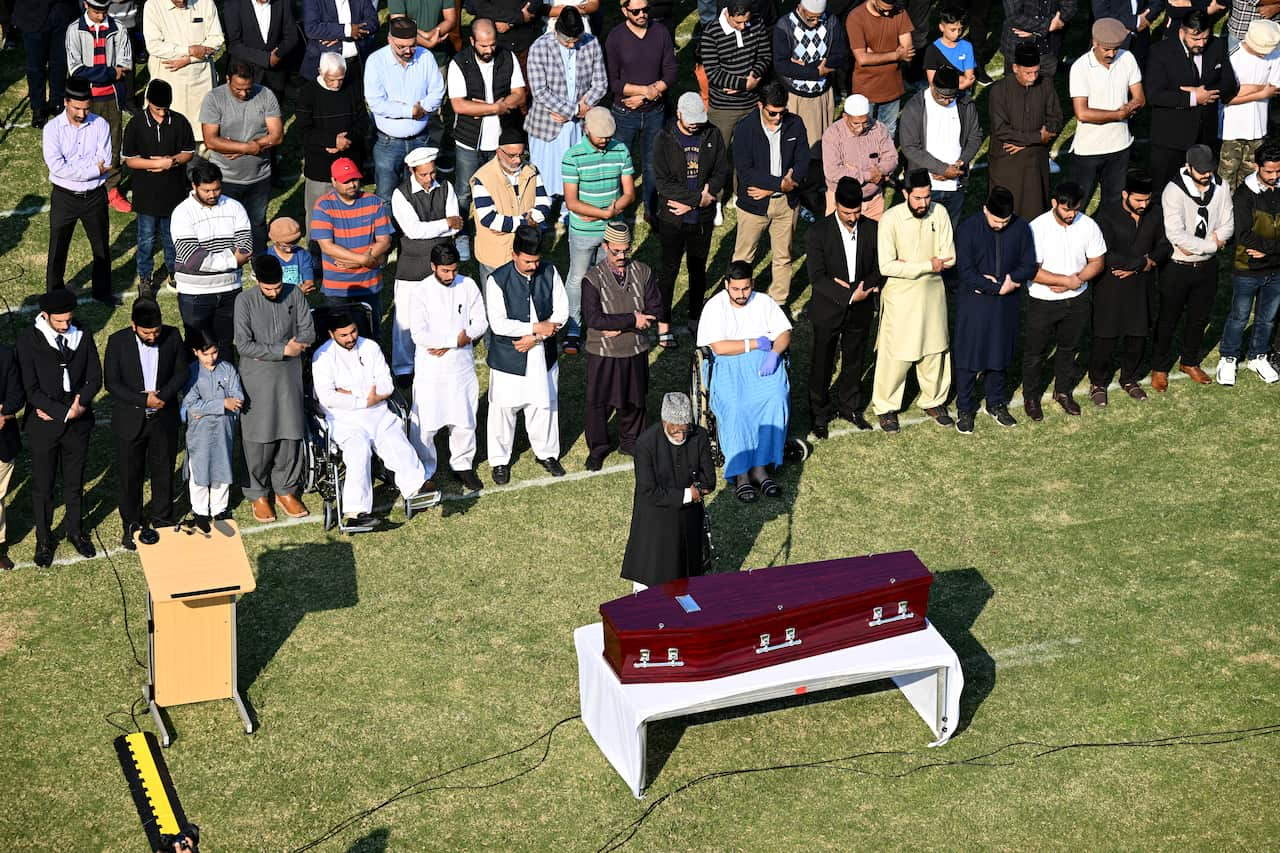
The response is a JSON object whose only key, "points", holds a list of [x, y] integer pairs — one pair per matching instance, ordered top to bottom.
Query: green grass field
{"points": [[1105, 580]]}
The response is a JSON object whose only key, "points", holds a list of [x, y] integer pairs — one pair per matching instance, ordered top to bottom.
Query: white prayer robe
{"points": [[446, 392], [536, 392], [359, 429]]}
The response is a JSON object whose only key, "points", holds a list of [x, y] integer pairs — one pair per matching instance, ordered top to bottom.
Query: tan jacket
{"points": [[493, 247], [913, 302]]}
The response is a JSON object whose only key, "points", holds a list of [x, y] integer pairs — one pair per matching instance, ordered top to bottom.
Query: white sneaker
{"points": [[719, 220], [464, 248], [1261, 365], [1226, 370]]}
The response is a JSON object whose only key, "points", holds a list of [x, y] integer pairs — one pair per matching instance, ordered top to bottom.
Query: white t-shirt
{"points": [[1107, 89], [1249, 121], [490, 127], [942, 136], [1064, 251], [723, 321]]}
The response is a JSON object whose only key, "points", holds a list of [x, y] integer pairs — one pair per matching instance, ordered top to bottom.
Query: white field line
{"points": [[1030, 654]]}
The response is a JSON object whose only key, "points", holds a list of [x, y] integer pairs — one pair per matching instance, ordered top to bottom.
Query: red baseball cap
{"points": [[344, 169]]}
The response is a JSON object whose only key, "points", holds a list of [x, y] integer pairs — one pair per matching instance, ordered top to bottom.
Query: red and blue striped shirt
{"points": [[354, 227]]}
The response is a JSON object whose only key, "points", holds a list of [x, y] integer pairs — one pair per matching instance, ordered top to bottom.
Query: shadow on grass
{"points": [[293, 580], [957, 598], [374, 842]]}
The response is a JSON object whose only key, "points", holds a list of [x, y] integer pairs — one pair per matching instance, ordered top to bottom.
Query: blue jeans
{"points": [[46, 53], [887, 113], [641, 127], [388, 161], [466, 163], [254, 197], [952, 201], [149, 228], [584, 253], [1245, 289]]}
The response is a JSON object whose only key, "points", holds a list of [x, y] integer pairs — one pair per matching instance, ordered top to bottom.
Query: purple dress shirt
{"points": [[73, 153]]}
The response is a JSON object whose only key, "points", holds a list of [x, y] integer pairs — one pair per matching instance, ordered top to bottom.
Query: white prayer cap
{"points": [[817, 7], [857, 105], [418, 156], [676, 408]]}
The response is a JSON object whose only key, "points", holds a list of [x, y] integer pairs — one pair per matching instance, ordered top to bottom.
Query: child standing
{"points": [[951, 49], [283, 235], [211, 404]]}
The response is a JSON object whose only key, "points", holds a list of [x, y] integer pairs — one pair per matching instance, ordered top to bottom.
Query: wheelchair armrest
{"points": [[398, 405]]}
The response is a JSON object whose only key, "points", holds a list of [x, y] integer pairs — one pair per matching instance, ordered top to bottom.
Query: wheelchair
{"points": [[793, 449], [325, 471]]}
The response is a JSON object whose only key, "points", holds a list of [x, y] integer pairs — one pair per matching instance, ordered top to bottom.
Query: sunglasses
{"points": [[643, 10], [778, 113]]}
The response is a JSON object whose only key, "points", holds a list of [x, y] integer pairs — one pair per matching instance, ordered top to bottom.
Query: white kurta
{"points": [[539, 387], [445, 389], [359, 429]]}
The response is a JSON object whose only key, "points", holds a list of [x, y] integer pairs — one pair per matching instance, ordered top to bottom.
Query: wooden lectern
{"points": [[193, 579]]}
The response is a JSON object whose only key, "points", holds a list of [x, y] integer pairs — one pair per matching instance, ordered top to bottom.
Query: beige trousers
{"points": [[817, 113], [779, 220], [933, 373], [6, 471]]}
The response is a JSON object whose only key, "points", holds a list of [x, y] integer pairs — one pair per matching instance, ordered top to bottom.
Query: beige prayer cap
{"points": [[1110, 32], [1263, 36], [600, 122], [284, 229], [618, 233]]}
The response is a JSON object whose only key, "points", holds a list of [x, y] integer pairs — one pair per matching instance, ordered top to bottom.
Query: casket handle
{"points": [[878, 617], [766, 647], [673, 659]]}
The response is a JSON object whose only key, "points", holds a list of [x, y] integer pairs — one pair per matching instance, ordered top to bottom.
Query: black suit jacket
{"points": [[244, 39], [1174, 122], [826, 262], [122, 375], [42, 382], [12, 398]]}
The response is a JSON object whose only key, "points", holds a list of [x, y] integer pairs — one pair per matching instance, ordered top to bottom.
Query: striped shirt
{"points": [[728, 55], [598, 176], [487, 211], [354, 227], [205, 240]]}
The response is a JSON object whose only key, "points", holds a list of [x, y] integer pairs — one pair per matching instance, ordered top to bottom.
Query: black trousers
{"points": [[1165, 163], [1088, 170], [66, 209], [692, 242], [1189, 289], [215, 311], [1053, 323], [849, 341], [1103, 350], [994, 389], [630, 425], [154, 451], [49, 453]]}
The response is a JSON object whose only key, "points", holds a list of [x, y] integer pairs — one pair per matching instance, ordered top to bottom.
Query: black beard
{"points": [[919, 214]]}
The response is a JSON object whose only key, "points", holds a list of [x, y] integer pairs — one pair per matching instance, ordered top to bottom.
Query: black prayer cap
{"points": [[569, 24], [403, 28], [1027, 54], [946, 81], [76, 90], [160, 93], [512, 136], [919, 178], [1138, 181], [849, 192], [1000, 203], [528, 240], [267, 269], [58, 301], [146, 313], [340, 318]]}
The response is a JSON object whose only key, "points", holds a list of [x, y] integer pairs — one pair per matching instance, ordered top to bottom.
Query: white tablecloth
{"points": [[616, 714]]}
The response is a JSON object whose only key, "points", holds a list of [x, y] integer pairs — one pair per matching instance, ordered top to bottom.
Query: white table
{"points": [[921, 664]]}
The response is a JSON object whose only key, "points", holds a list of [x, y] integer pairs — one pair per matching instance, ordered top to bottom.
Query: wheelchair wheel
{"points": [[700, 395], [330, 513]]}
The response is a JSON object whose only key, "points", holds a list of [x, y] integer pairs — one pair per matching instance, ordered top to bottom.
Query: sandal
{"points": [[667, 340], [770, 488], [746, 493]]}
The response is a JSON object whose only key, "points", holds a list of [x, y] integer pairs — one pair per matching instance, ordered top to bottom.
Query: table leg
{"points": [[235, 672], [149, 689], [942, 700], [639, 792]]}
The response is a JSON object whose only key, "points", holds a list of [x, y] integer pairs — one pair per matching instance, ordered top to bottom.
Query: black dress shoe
{"points": [[38, 119], [1068, 404], [1033, 410], [858, 420], [889, 422], [821, 431], [594, 463], [552, 466], [501, 474], [469, 479], [225, 515], [162, 521], [126, 540], [82, 544], [44, 555], [6, 564]]}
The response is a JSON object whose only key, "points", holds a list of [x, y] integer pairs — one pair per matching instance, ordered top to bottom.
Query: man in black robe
{"points": [[1026, 116], [1136, 247], [995, 256], [674, 472]]}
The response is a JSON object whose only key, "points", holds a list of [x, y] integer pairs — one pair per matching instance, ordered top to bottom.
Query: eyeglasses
{"points": [[643, 10], [778, 113]]}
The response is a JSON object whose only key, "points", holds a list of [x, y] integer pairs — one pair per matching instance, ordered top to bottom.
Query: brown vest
{"points": [[614, 299]]}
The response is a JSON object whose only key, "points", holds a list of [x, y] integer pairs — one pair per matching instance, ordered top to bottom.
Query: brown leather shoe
{"points": [[1196, 374], [1159, 380], [1135, 391], [1098, 394], [1068, 403], [1032, 407], [293, 507], [262, 510], [5, 563]]}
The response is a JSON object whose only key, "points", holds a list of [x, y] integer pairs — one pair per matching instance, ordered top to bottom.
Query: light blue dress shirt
{"points": [[391, 90]]}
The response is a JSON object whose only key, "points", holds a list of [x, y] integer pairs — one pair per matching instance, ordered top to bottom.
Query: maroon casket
{"points": [[717, 625]]}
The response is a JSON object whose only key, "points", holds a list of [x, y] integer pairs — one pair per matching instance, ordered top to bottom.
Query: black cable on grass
{"points": [[124, 603], [423, 786], [620, 838]]}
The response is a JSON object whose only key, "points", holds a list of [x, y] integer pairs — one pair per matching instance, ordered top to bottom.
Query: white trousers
{"points": [[542, 425], [358, 440], [462, 447], [209, 500]]}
